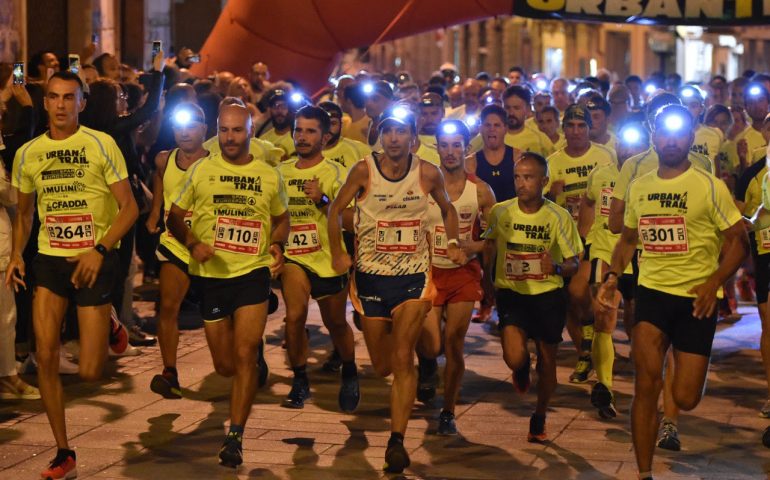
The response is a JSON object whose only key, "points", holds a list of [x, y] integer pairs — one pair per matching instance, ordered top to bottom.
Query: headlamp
{"points": [[541, 84], [368, 88], [650, 89], [755, 90], [688, 92], [296, 97], [490, 99], [400, 112], [182, 118], [471, 121], [673, 122], [449, 128], [631, 136]]}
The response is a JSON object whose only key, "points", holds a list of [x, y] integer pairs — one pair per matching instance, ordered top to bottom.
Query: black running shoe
{"points": [[272, 302], [334, 363], [583, 370], [264, 371], [427, 379], [521, 379], [166, 385], [300, 391], [350, 394], [603, 399], [446, 423], [537, 432], [668, 438], [231, 453], [396, 458]]}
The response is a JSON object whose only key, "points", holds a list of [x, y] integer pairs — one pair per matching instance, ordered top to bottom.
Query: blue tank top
{"points": [[498, 177]]}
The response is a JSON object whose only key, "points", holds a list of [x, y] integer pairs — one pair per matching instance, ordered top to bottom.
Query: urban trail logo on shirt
{"points": [[69, 156], [251, 184], [669, 200], [534, 232]]}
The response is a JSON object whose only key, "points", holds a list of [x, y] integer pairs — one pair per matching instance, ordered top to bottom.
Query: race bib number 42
{"points": [[70, 231], [664, 234], [237, 235], [398, 236], [303, 239], [524, 266]]}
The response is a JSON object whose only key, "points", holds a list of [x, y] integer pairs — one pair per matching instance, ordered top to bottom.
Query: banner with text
{"points": [[649, 12]]}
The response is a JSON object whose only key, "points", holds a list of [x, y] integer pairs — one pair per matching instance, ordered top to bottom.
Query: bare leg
{"points": [[173, 287]]}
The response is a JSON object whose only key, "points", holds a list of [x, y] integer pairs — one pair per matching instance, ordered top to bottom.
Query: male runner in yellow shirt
{"points": [[311, 183], [85, 206], [239, 226], [693, 239], [532, 245]]}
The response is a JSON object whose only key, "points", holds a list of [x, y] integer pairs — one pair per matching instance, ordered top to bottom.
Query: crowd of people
{"points": [[553, 202]]}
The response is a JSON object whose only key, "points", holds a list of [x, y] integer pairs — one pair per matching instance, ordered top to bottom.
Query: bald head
{"points": [[234, 131]]}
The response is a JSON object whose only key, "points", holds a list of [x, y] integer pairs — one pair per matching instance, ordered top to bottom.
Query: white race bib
{"points": [[606, 199], [70, 231], [665, 234], [237, 235], [397, 236], [764, 236], [303, 239], [440, 239], [524, 266]]}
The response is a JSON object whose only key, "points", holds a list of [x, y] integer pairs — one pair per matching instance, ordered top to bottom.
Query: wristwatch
{"points": [[324, 201], [453, 241], [101, 249]]}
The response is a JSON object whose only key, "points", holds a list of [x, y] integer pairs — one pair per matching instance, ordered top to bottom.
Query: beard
{"points": [[514, 122], [281, 123], [335, 137], [242, 148]]}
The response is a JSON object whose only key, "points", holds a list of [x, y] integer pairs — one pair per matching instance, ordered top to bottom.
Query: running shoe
{"points": [[118, 334], [139, 338], [334, 363], [583, 370], [264, 371], [427, 379], [521, 379], [166, 385], [17, 389], [300, 391], [350, 394], [604, 401], [765, 411], [446, 423], [537, 432], [668, 438], [231, 453], [396, 458], [63, 466]]}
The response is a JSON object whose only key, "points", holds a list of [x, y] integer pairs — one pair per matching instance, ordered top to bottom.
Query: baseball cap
{"points": [[576, 112]]}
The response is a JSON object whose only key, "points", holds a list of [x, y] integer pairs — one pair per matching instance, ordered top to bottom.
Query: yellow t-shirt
{"points": [[357, 130], [429, 140], [529, 140], [754, 140], [284, 141], [708, 142], [258, 148], [347, 152], [429, 154], [646, 162], [574, 171], [172, 178], [72, 179], [601, 182], [753, 199], [232, 208], [679, 221], [522, 238], [308, 242]]}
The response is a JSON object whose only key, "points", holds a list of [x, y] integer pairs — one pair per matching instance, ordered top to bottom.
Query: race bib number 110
{"points": [[237, 235]]}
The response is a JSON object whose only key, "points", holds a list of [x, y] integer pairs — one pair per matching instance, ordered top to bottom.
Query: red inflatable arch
{"points": [[301, 39]]}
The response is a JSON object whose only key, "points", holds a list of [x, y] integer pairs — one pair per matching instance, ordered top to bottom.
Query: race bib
{"points": [[606, 199], [573, 206], [187, 221], [70, 231], [664, 234], [237, 235], [398, 236], [764, 236], [303, 239], [440, 239], [523, 266]]}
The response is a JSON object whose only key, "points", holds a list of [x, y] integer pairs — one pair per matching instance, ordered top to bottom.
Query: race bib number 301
{"points": [[70, 231], [664, 234], [237, 235], [398, 236], [303, 239], [524, 266]]}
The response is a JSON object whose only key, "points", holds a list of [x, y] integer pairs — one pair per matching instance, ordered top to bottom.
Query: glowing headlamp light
{"points": [[541, 84], [368, 88], [650, 89], [755, 90], [688, 93], [296, 97], [490, 99], [400, 112], [183, 118], [471, 121], [673, 122], [449, 128], [631, 136]]}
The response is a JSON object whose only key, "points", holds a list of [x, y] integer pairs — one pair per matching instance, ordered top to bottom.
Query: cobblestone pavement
{"points": [[121, 430]]}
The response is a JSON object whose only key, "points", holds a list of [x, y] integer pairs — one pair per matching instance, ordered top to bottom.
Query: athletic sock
{"points": [[587, 330], [603, 355], [349, 369], [170, 371], [300, 372], [236, 430], [395, 438]]}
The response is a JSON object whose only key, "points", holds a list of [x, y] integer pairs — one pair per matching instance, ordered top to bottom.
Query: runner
{"points": [[344, 151], [170, 167], [569, 169], [311, 183], [85, 206], [682, 215], [239, 221], [592, 223], [532, 245], [392, 281], [458, 288]]}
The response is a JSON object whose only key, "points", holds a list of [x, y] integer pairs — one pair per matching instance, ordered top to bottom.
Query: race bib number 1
{"points": [[70, 231], [664, 234], [237, 235], [398, 236], [303, 239], [524, 266]]}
